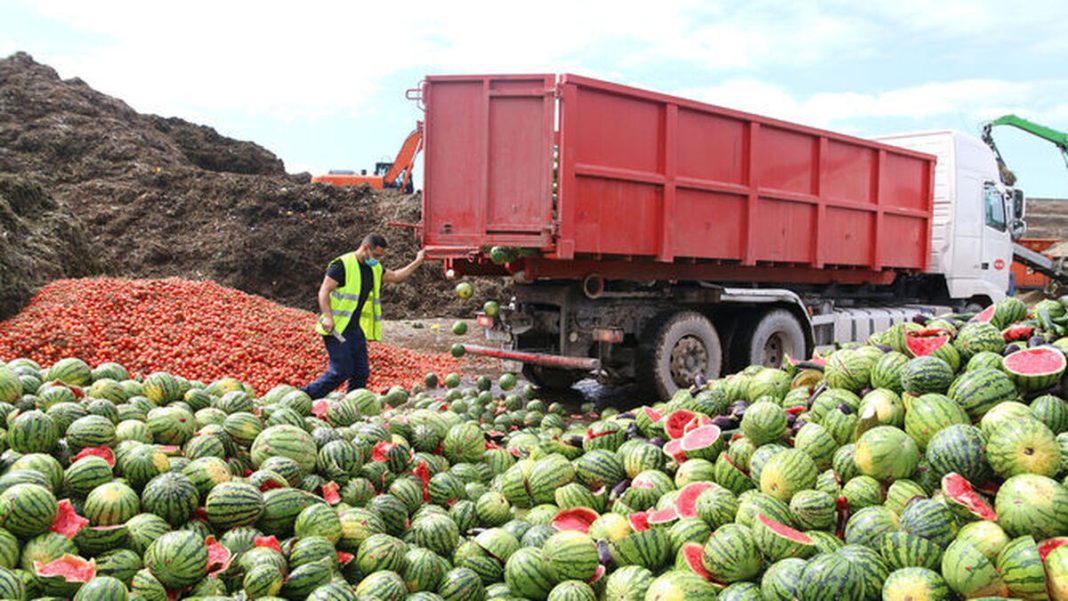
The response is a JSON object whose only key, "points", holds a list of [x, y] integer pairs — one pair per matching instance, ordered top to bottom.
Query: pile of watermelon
{"points": [[928, 463]]}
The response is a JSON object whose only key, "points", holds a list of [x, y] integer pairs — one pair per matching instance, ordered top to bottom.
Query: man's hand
{"points": [[420, 256], [328, 322]]}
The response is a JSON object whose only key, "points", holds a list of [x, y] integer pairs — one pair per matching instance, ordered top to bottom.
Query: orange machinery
{"points": [[397, 174], [1025, 277]]}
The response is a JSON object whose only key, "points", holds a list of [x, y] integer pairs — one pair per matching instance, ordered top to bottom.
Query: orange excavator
{"points": [[397, 175]]}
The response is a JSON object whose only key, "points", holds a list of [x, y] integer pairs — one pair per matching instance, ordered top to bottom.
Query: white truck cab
{"points": [[971, 241]]}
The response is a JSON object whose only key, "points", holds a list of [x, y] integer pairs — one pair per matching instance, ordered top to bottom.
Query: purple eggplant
{"points": [[846, 409], [724, 422], [656, 441], [619, 489], [604, 555]]}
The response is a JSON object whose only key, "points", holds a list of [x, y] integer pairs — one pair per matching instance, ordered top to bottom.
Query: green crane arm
{"points": [[1058, 138]]}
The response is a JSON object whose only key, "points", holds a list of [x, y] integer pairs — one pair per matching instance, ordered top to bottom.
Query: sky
{"points": [[322, 84]]}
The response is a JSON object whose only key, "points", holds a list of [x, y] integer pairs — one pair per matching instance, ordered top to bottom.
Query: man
{"points": [[351, 313]]}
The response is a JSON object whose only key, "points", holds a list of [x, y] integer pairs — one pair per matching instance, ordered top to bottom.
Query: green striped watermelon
{"points": [[730, 555], [177, 559]]}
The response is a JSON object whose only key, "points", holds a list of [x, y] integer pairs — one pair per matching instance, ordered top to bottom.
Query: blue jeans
{"points": [[348, 361]]}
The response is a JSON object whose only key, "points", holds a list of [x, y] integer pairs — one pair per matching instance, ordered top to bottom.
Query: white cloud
{"points": [[285, 60], [973, 100]]}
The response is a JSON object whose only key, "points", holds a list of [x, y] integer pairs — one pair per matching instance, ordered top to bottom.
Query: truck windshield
{"points": [[995, 207]]}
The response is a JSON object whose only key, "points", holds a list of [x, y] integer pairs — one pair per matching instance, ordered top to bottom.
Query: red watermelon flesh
{"points": [[986, 314], [1014, 333], [921, 343], [1041, 360], [652, 414], [699, 421], [675, 424], [700, 438], [674, 450], [103, 452], [959, 490], [330, 493], [686, 502], [663, 516], [575, 518], [639, 521], [68, 522], [785, 531], [271, 542], [1047, 546], [692, 553], [218, 556], [344, 558], [71, 567], [597, 575]]}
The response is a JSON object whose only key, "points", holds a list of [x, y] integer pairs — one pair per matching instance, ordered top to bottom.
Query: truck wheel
{"points": [[774, 335], [676, 350], [551, 378]]}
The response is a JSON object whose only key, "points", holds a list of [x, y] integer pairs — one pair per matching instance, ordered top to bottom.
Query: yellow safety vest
{"points": [[343, 300]]}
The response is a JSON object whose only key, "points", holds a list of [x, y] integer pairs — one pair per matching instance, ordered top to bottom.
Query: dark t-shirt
{"points": [[336, 271]]}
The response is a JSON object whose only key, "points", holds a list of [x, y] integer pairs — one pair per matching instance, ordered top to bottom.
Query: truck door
{"points": [[488, 170], [997, 242]]}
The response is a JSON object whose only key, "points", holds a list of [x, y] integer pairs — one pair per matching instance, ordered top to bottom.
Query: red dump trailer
{"points": [[655, 238]]}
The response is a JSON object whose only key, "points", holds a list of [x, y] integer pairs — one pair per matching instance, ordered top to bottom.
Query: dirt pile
{"points": [[165, 197], [40, 240]]}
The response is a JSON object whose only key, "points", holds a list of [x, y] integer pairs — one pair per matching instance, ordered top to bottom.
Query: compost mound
{"points": [[162, 197]]}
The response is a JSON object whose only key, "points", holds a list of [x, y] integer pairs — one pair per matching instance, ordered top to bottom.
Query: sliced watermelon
{"points": [[986, 314], [1017, 332], [921, 343], [320, 409], [653, 415], [699, 421], [675, 424], [700, 438], [674, 450], [103, 452], [958, 490], [330, 493], [686, 502], [664, 516], [575, 518], [639, 521], [68, 522], [785, 531], [271, 542], [1047, 546], [692, 552], [218, 556], [344, 558], [70, 567]]}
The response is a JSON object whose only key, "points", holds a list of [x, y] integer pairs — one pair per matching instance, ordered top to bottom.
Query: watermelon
{"points": [[978, 337], [934, 342], [1035, 368], [927, 374], [980, 390], [764, 422], [1023, 446], [958, 449], [886, 453], [786, 473], [959, 496], [1030, 504], [27, 510], [778, 541], [730, 555], [572, 556], [970, 573], [830, 576], [782, 579], [915, 583]]}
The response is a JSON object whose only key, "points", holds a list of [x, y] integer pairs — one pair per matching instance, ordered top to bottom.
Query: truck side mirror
{"points": [[1018, 204], [1017, 229]]}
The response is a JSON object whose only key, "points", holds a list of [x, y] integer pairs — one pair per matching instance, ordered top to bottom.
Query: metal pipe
{"points": [[583, 363]]}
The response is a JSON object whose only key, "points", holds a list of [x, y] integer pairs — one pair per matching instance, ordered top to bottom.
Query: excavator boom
{"points": [[1058, 138], [397, 174]]}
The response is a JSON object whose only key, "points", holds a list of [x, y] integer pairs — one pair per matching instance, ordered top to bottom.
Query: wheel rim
{"points": [[774, 350], [688, 358]]}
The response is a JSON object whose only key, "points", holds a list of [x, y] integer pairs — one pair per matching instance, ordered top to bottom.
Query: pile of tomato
{"points": [[195, 329]]}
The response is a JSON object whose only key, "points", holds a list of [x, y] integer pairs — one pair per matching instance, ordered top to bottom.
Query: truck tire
{"points": [[771, 337], [675, 349], [551, 378]]}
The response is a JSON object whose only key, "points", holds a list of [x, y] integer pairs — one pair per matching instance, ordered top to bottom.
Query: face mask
{"points": [[371, 262]]}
